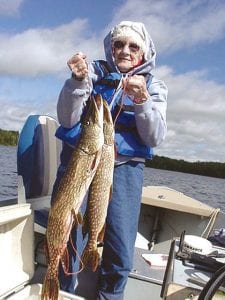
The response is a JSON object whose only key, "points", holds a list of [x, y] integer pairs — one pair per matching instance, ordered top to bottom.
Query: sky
{"points": [[37, 37]]}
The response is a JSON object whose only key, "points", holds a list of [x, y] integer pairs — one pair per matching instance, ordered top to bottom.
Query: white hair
{"points": [[132, 30]]}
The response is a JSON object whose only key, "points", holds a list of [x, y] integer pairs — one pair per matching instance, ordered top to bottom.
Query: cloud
{"points": [[10, 7], [177, 24], [173, 25], [45, 51], [22, 97], [196, 108], [14, 116], [195, 116]]}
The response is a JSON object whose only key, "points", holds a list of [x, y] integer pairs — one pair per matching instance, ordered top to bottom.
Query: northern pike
{"points": [[70, 194], [99, 195]]}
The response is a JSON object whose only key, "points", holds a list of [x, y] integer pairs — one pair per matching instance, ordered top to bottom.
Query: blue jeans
{"points": [[120, 234]]}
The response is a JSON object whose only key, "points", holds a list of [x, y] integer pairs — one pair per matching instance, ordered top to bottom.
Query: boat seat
{"points": [[38, 155], [41, 217]]}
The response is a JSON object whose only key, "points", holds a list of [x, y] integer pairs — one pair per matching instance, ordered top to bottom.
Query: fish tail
{"points": [[77, 218], [91, 258], [50, 289]]}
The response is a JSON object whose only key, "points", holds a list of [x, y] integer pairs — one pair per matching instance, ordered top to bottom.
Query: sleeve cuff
{"points": [[143, 107]]}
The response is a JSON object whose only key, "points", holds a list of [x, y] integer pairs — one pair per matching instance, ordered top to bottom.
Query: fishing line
{"points": [[115, 94], [122, 98], [66, 267]]}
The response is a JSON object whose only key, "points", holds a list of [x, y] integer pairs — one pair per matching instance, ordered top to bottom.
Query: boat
{"points": [[167, 217]]}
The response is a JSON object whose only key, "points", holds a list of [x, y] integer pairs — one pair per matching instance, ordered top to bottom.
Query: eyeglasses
{"points": [[132, 46]]}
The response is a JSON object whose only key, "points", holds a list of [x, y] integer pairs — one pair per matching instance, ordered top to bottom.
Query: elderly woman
{"points": [[138, 105]]}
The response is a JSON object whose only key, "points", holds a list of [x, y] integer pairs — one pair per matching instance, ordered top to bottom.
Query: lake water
{"points": [[8, 172], [206, 189]]}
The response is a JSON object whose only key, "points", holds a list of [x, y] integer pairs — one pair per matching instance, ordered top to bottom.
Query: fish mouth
{"points": [[98, 101], [98, 110], [94, 111]]}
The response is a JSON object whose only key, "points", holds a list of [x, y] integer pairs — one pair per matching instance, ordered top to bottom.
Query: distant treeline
{"points": [[8, 137], [212, 169]]}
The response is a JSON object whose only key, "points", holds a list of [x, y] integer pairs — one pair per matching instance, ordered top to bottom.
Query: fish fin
{"points": [[115, 150], [96, 160], [94, 163], [110, 193], [77, 218], [85, 225], [101, 235], [45, 248], [91, 258], [65, 261], [50, 288]]}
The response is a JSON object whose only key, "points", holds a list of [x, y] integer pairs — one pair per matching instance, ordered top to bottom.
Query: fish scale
{"points": [[71, 192], [99, 195]]}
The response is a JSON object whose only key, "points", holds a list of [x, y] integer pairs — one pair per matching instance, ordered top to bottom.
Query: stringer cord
{"points": [[122, 99], [66, 268]]}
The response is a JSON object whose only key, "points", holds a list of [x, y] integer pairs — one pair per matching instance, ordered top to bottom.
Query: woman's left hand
{"points": [[135, 87]]}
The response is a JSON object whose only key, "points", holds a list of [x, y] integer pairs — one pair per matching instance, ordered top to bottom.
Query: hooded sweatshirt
{"points": [[150, 116]]}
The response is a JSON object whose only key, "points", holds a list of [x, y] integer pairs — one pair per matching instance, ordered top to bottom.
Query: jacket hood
{"points": [[149, 55]]}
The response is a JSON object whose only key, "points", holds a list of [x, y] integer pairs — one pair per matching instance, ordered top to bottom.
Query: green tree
{"points": [[8, 137], [212, 169]]}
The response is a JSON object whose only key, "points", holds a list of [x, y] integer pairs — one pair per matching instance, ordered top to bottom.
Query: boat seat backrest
{"points": [[38, 155]]}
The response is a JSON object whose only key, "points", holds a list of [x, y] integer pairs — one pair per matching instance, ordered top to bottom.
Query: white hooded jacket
{"points": [[150, 116]]}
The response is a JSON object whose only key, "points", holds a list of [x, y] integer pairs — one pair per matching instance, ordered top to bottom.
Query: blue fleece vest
{"points": [[127, 139]]}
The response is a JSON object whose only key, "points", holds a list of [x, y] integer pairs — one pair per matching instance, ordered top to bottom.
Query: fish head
{"points": [[108, 126], [92, 138]]}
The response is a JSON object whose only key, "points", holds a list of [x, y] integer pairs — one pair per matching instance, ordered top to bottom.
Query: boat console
{"points": [[187, 272]]}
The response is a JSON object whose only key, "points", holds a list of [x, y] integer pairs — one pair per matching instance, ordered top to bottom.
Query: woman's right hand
{"points": [[78, 65]]}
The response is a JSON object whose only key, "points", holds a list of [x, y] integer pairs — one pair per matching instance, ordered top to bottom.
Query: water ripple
{"points": [[206, 189]]}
